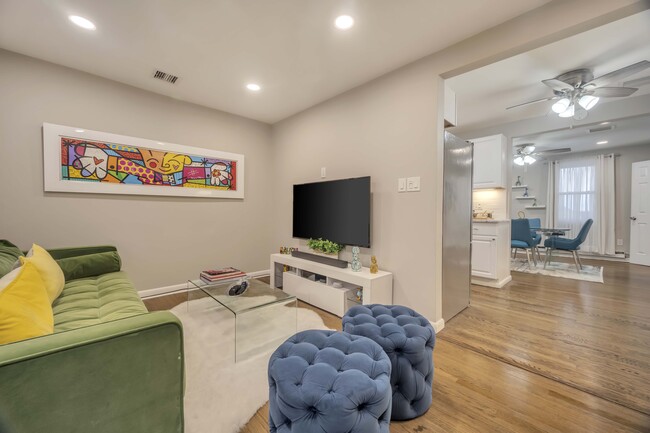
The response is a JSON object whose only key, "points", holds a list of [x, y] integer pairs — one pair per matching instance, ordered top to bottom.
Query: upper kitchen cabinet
{"points": [[450, 107], [490, 167]]}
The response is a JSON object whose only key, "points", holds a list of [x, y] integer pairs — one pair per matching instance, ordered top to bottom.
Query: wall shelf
{"points": [[519, 186], [532, 197], [535, 207]]}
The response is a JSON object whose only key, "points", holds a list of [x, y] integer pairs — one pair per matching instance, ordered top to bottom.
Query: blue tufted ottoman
{"points": [[408, 340], [329, 382]]}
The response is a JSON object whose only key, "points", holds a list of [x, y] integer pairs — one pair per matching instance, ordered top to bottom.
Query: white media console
{"points": [[300, 281]]}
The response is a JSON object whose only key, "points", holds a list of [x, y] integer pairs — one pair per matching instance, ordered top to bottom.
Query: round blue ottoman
{"points": [[408, 339], [329, 382]]}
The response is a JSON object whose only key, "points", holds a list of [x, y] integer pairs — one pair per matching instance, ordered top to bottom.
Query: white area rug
{"points": [[559, 269], [221, 395]]}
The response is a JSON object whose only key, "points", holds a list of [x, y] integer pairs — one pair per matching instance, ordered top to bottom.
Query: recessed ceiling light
{"points": [[82, 22], [344, 22], [253, 87], [604, 123], [79, 130], [602, 142]]}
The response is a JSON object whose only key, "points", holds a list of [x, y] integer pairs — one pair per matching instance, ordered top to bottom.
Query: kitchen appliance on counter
{"points": [[482, 215]]}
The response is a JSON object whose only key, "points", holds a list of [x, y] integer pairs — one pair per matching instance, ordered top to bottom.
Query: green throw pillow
{"points": [[9, 254], [90, 265]]}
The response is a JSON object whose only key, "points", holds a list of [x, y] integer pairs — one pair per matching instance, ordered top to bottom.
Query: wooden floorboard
{"points": [[594, 337], [492, 362]]}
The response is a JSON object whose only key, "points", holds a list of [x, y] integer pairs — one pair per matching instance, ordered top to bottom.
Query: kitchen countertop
{"points": [[493, 221]]}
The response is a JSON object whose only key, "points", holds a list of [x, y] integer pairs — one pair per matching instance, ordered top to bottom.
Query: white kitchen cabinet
{"points": [[490, 166], [491, 253], [484, 254]]}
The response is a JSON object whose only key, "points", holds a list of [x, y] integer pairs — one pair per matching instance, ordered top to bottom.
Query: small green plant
{"points": [[324, 246]]}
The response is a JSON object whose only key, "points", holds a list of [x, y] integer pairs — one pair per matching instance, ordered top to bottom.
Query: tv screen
{"points": [[337, 210]]}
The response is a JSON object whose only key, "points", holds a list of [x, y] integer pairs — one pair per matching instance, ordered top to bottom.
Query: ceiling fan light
{"points": [[588, 101], [561, 105], [569, 112], [529, 149], [529, 159], [519, 160]]}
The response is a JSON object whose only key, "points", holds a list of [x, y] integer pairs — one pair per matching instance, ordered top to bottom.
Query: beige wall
{"points": [[162, 241]]}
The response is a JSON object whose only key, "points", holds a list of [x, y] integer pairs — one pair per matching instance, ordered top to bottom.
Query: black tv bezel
{"points": [[339, 180]]}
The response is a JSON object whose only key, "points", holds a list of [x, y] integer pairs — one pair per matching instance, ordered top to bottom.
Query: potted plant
{"points": [[324, 247]]}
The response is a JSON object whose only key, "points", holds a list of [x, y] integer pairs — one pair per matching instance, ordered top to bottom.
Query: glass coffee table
{"points": [[264, 316]]}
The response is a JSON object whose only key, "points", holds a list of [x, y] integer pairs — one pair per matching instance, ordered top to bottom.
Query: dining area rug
{"points": [[560, 270]]}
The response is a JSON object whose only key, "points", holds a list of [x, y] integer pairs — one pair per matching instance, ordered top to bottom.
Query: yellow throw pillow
{"points": [[49, 270], [25, 310]]}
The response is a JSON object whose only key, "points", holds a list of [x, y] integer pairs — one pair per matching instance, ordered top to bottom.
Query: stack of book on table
{"points": [[218, 275]]}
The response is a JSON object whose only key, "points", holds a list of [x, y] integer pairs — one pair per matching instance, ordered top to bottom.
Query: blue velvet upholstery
{"points": [[535, 223], [520, 231], [559, 243], [408, 339], [329, 381]]}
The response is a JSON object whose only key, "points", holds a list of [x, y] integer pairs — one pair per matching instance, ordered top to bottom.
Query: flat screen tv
{"points": [[337, 210]]}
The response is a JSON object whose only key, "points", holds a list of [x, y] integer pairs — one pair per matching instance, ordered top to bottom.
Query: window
{"points": [[576, 196]]}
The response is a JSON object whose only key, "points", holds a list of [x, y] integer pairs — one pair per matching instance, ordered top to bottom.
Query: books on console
{"points": [[224, 274]]}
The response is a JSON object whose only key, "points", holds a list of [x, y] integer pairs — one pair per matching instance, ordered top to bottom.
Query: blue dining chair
{"points": [[536, 223], [521, 237], [564, 244]]}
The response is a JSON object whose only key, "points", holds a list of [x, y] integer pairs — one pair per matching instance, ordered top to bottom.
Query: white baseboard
{"points": [[491, 283], [161, 291], [438, 325]]}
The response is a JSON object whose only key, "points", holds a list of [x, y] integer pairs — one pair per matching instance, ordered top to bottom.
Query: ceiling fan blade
{"points": [[618, 74], [638, 82], [557, 85], [612, 92], [532, 102], [552, 151]]}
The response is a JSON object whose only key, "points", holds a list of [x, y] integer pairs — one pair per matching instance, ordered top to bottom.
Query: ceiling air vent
{"points": [[165, 77], [600, 128]]}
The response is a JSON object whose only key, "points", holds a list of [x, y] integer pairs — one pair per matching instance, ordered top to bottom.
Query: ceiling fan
{"points": [[578, 91], [525, 153]]}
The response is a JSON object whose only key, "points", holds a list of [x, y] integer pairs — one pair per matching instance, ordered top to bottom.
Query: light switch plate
{"points": [[323, 172], [413, 183], [401, 184]]}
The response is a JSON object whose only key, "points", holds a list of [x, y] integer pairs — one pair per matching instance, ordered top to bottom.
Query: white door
{"points": [[640, 214], [484, 256]]}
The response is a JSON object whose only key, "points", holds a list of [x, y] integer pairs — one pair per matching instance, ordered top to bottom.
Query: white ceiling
{"points": [[289, 47], [483, 94], [626, 132]]}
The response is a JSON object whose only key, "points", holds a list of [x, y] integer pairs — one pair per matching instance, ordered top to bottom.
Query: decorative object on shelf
{"points": [[85, 161], [518, 183], [525, 194], [534, 202], [521, 214], [325, 247], [287, 250], [356, 263], [373, 265], [360, 294]]}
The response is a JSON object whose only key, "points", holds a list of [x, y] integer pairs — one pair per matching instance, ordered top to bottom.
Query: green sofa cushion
{"points": [[9, 254], [90, 265], [94, 300]]}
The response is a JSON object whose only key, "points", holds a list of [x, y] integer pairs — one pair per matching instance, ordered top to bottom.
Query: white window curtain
{"points": [[584, 188]]}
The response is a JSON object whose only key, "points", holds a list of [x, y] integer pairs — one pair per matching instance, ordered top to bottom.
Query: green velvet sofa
{"points": [[110, 365]]}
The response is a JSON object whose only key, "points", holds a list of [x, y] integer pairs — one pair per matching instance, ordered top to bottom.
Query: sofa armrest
{"points": [[64, 253], [120, 376]]}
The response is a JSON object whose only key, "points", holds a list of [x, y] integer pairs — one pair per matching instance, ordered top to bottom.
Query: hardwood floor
{"points": [[594, 337], [492, 361]]}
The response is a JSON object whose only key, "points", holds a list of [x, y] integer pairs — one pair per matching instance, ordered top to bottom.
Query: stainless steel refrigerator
{"points": [[456, 225]]}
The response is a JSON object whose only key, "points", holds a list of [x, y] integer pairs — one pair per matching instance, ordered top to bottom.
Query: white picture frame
{"points": [[167, 174]]}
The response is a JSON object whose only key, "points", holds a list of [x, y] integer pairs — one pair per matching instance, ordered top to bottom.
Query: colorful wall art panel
{"points": [[98, 162]]}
